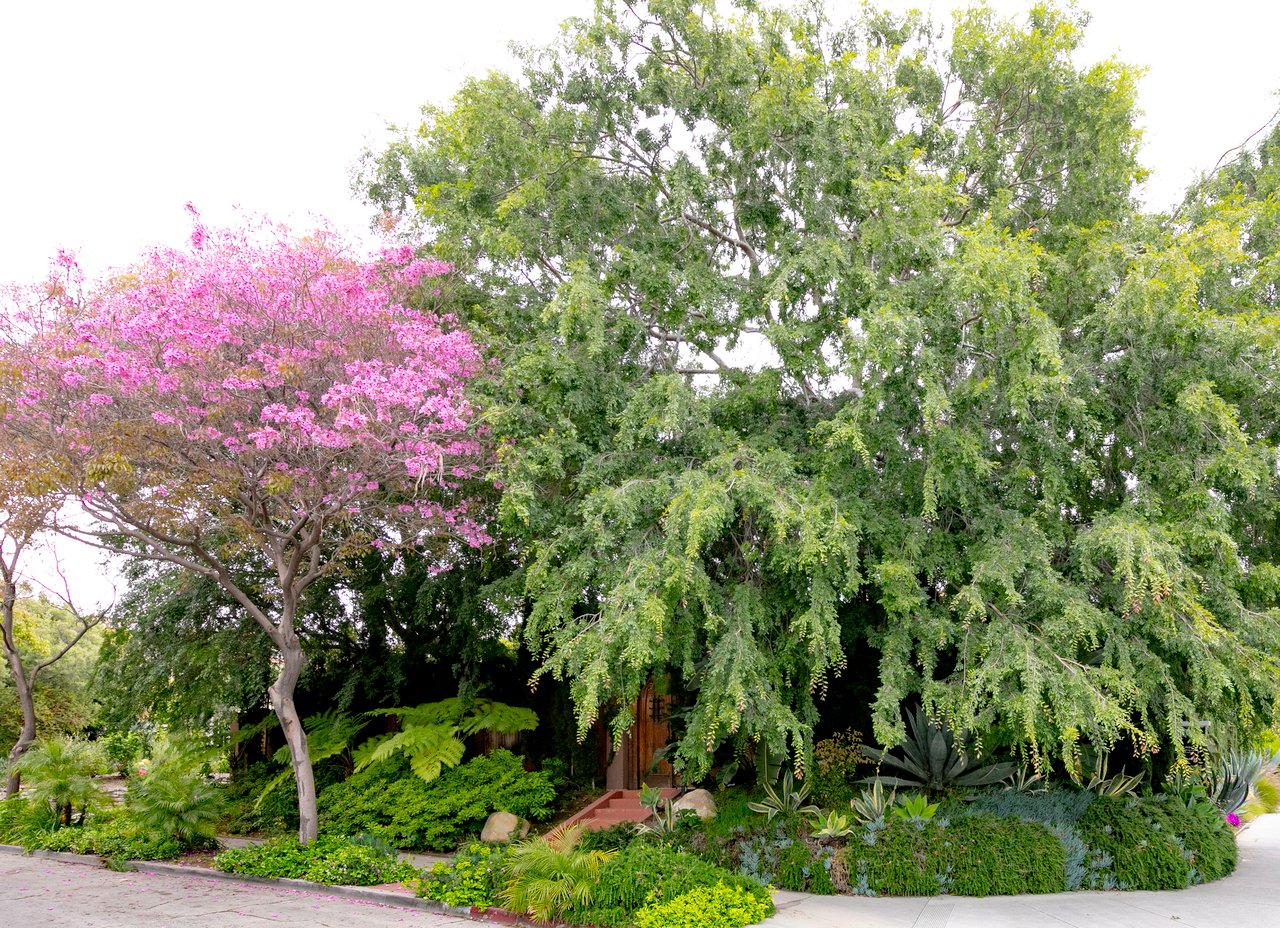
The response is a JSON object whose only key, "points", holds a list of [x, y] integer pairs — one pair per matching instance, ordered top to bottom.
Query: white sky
{"points": [[115, 114]]}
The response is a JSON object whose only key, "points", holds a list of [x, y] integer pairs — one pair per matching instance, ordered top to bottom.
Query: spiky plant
{"points": [[932, 761], [58, 772], [1229, 780], [1119, 785], [784, 799], [177, 802], [874, 802], [549, 875]]}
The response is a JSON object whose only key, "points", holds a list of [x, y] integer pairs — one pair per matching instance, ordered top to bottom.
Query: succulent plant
{"points": [[932, 760]]}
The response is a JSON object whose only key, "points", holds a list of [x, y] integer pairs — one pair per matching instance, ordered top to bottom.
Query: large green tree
{"points": [[803, 320]]}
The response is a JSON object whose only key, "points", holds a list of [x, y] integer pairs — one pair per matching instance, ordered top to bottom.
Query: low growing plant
{"points": [[915, 808], [326, 860], [474, 878], [718, 906]]}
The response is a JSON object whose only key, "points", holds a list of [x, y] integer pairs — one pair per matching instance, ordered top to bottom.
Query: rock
{"points": [[699, 801], [503, 826]]}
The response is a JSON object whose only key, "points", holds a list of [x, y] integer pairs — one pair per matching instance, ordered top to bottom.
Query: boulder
{"points": [[699, 801], [503, 826]]}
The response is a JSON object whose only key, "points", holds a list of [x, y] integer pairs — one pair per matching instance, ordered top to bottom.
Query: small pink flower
{"points": [[1233, 820]]}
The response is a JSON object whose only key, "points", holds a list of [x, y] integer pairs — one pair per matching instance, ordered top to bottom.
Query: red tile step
{"points": [[615, 807]]}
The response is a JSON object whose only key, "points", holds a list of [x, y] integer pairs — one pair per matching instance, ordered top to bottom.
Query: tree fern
{"points": [[432, 733]]}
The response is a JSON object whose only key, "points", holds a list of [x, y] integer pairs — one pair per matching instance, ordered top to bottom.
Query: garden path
{"points": [[1246, 899]]}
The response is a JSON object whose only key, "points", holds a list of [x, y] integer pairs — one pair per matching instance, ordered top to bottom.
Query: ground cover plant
{"points": [[339, 861]]}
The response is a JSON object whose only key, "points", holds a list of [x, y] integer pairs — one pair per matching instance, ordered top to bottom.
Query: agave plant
{"points": [[932, 761], [1025, 780], [1229, 781], [1118, 785], [785, 799], [872, 805], [914, 808], [665, 815], [832, 825], [549, 875]]}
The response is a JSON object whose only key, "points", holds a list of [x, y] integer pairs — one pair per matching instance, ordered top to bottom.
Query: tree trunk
{"points": [[281, 693], [26, 700]]}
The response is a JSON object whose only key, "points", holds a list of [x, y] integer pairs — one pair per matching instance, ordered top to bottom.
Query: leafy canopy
{"points": [[819, 337]]}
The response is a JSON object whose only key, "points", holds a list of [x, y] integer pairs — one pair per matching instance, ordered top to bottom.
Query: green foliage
{"points": [[814, 335], [63, 695], [431, 736], [123, 749], [931, 759], [58, 772], [834, 774], [1232, 776], [1103, 785], [1266, 797], [786, 799], [177, 801], [391, 802], [873, 804], [914, 808], [252, 809], [1059, 810], [665, 818], [832, 825], [119, 839], [1207, 841], [977, 855], [1141, 855], [331, 860], [645, 873], [548, 876], [475, 877], [716, 906]]}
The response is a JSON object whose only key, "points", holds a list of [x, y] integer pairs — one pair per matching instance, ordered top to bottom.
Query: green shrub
{"points": [[123, 749], [59, 772], [833, 776], [389, 801], [177, 803], [253, 809], [1059, 810], [1205, 838], [120, 839], [977, 855], [1141, 855], [325, 860], [359, 865], [645, 872], [549, 875], [474, 878], [718, 906]]}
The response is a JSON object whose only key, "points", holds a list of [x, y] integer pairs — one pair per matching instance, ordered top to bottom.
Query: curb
{"points": [[86, 860]]}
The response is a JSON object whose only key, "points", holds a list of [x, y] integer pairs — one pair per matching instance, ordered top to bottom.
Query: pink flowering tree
{"points": [[259, 395]]}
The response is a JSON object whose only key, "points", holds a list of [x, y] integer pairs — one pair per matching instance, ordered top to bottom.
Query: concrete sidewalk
{"points": [[1249, 898]]}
